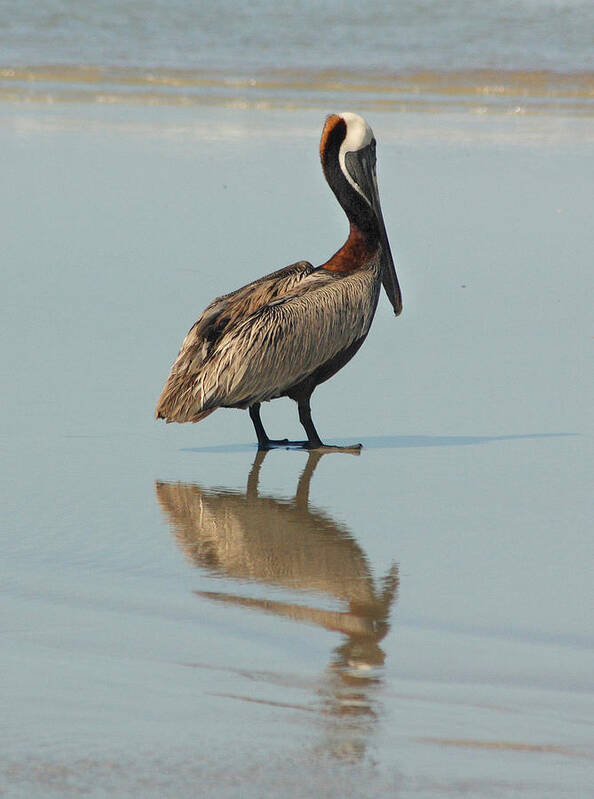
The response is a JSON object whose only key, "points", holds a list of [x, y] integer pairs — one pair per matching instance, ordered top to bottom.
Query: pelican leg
{"points": [[263, 441], [314, 441]]}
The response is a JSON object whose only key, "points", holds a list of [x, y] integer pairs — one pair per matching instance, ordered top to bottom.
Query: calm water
{"points": [[385, 36], [534, 55], [414, 620]]}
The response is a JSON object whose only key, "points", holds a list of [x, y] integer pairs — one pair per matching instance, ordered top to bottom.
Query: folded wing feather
{"points": [[255, 343]]}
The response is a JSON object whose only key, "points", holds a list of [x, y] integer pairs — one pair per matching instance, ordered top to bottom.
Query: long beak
{"points": [[361, 168], [389, 277]]}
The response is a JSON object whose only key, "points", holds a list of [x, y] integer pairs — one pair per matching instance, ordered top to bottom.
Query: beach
{"points": [[184, 616]]}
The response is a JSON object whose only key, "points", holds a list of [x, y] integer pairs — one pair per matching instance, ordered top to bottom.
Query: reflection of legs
{"points": [[263, 441], [254, 475], [302, 493]]}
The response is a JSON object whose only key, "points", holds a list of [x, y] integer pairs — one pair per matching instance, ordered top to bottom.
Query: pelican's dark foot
{"points": [[314, 442], [264, 443], [272, 443], [287, 444], [312, 446], [353, 449]]}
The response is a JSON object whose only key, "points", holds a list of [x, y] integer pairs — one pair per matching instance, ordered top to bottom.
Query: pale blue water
{"points": [[378, 36], [182, 617], [412, 621]]}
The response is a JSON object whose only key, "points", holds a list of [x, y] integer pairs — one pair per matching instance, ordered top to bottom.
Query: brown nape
{"points": [[330, 127], [356, 251]]}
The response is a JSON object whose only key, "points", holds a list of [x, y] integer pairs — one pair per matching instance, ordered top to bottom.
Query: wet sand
{"points": [[183, 617]]}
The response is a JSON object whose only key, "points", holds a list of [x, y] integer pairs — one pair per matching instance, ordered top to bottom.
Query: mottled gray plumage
{"points": [[258, 342]]}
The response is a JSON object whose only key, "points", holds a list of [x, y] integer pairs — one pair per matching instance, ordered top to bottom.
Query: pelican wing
{"points": [[221, 316], [284, 342]]}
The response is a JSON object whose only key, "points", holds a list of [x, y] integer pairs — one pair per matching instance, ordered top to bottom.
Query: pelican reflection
{"points": [[289, 544]]}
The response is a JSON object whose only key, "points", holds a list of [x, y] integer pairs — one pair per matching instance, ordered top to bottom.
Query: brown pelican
{"points": [[284, 334]]}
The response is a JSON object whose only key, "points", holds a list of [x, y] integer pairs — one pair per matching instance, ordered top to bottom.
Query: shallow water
{"points": [[412, 35], [525, 56], [476, 91], [415, 619]]}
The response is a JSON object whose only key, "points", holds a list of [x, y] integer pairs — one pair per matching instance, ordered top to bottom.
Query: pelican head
{"points": [[347, 150]]}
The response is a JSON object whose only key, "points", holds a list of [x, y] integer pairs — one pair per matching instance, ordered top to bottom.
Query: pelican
{"points": [[284, 334]]}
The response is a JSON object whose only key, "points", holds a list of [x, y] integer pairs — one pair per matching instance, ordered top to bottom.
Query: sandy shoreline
{"points": [[481, 91]]}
